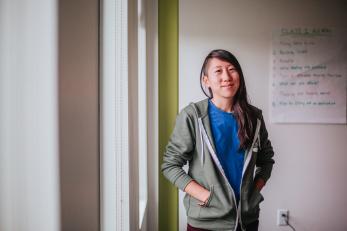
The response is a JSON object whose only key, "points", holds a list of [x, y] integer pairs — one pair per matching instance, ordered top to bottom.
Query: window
{"points": [[142, 110]]}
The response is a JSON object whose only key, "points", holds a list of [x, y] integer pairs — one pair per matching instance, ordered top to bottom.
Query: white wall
{"points": [[309, 173], [29, 174]]}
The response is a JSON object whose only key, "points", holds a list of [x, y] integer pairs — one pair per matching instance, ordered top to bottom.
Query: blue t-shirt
{"points": [[224, 130]]}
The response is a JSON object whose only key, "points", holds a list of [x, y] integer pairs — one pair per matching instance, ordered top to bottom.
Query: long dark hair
{"points": [[242, 109]]}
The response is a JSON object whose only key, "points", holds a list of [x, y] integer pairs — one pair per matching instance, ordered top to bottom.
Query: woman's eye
{"points": [[217, 71]]}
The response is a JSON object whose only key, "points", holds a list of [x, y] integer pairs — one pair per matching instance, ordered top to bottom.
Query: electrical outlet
{"points": [[282, 217]]}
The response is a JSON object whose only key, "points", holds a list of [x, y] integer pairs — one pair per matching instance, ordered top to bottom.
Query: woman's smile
{"points": [[229, 86]]}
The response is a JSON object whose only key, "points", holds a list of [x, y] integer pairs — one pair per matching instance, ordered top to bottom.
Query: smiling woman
{"points": [[222, 185]]}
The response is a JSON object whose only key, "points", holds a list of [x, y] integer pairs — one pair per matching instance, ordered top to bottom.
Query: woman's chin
{"points": [[229, 95], [225, 97]]}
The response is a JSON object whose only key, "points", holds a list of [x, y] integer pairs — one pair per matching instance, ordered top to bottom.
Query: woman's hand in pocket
{"points": [[259, 184], [197, 191]]}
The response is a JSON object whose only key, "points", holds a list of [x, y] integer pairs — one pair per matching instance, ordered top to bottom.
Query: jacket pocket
{"points": [[255, 199], [219, 204], [192, 206]]}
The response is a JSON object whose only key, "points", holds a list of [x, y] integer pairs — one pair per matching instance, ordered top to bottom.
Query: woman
{"points": [[225, 140]]}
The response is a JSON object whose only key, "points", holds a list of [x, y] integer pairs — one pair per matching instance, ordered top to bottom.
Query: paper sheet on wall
{"points": [[309, 75]]}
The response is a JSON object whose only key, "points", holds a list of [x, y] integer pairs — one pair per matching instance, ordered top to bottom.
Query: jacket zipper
{"points": [[256, 135], [215, 159]]}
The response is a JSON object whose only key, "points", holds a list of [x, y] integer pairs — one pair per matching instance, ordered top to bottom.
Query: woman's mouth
{"points": [[228, 86]]}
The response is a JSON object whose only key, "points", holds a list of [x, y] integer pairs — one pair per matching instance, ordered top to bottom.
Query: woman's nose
{"points": [[226, 76]]}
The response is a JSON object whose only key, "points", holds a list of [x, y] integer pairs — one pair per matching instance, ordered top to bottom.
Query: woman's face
{"points": [[222, 78]]}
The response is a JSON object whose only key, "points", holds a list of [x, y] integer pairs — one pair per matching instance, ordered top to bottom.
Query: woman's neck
{"points": [[223, 104]]}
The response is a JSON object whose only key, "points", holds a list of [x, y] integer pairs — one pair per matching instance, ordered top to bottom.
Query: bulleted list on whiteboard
{"points": [[308, 75]]}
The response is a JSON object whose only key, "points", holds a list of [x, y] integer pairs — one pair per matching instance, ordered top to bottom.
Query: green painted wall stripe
{"points": [[168, 105]]}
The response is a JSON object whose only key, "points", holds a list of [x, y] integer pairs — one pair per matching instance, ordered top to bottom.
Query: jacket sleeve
{"points": [[179, 150], [265, 159]]}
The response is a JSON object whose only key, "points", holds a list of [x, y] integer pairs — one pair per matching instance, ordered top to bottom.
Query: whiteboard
{"points": [[308, 73]]}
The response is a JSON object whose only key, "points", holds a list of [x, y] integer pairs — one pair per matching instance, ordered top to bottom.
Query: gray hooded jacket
{"points": [[192, 141]]}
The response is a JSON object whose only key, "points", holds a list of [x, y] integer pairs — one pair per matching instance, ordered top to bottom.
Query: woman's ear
{"points": [[205, 80]]}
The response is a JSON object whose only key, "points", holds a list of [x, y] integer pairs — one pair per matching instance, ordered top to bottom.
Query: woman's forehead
{"points": [[217, 63]]}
